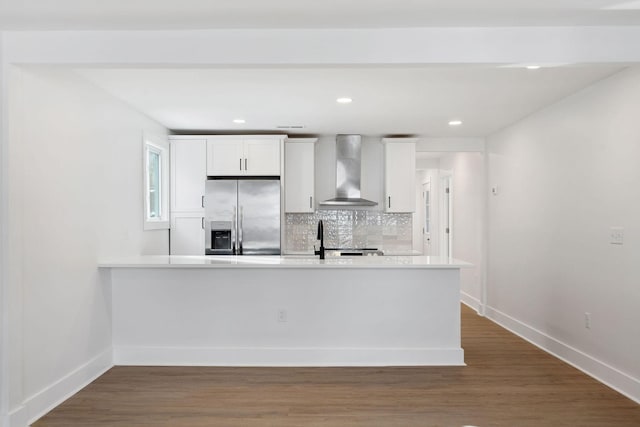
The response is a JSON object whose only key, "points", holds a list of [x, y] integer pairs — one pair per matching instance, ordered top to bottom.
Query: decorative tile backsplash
{"points": [[389, 232]]}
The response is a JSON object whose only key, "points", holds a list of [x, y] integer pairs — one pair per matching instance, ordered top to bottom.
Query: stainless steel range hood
{"points": [[348, 168]]}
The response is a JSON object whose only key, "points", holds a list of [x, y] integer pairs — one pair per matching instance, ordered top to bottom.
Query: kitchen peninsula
{"points": [[285, 310]]}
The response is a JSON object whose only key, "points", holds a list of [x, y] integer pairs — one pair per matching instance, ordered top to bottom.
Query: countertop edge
{"points": [[270, 262], [287, 267]]}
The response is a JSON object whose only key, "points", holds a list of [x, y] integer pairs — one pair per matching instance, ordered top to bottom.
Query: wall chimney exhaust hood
{"points": [[348, 167]]}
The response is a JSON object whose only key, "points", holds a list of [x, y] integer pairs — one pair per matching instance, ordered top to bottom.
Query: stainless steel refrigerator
{"points": [[242, 216]]}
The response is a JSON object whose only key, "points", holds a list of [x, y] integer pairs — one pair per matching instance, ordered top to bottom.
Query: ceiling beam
{"points": [[420, 46]]}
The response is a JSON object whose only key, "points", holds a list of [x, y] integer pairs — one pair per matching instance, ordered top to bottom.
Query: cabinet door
{"points": [[225, 157], [262, 157], [188, 174], [400, 175], [299, 177], [187, 234]]}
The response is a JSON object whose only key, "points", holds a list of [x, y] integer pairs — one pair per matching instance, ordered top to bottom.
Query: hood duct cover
{"points": [[348, 167]]}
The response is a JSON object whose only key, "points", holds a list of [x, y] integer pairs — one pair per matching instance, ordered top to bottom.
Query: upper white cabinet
{"points": [[243, 156], [225, 157], [188, 174], [299, 174], [399, 174]]}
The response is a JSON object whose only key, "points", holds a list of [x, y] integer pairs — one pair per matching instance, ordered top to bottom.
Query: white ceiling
{"points": [[207, 14], [386, 101]]}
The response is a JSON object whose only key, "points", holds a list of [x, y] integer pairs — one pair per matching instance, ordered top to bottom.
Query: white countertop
{"points": [[294, 261]]}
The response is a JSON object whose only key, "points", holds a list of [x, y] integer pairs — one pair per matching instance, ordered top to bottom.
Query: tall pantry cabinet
{"points": [[188, 176]]}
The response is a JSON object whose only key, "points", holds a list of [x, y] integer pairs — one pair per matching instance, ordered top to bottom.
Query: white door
{"points": [[225, 157], [262, 157], [188, 175], [426, 223], [446, 228], [187, 234]]}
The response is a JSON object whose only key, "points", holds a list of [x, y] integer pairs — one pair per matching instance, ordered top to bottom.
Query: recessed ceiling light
{"points": [[533, 67], [344, 100], [239, 121], [455, 122]]}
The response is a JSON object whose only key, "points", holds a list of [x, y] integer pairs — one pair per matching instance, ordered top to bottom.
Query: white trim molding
{"points": [[471, 302], [264, 356], [606, 374], [45, 400]]}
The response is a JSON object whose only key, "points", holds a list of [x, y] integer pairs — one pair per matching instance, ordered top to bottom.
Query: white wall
{"points": [[565, 175], [76, 187], [469, 216], [4, 321]]}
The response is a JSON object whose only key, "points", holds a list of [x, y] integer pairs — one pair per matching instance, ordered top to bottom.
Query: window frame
{"points": [[160, 146]]}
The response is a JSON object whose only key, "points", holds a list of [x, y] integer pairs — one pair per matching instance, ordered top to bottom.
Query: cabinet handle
{"points": [[245, 163], [240, 164], [202, 201], [310, 202], [389, 202], [203, 223]]}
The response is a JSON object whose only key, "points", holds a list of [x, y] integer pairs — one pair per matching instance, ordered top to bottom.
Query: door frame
{"points": [[446, 213], [426, 237]]}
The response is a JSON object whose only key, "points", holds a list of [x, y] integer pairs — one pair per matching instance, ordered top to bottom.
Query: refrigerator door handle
{"points": [[241, 229], [234, 230]]}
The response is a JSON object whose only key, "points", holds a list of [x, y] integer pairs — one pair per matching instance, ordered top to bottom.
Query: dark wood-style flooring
{"points": [[508, 382]]}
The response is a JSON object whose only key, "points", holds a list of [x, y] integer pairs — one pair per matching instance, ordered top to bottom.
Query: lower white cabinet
{"points": [[187, 234]]}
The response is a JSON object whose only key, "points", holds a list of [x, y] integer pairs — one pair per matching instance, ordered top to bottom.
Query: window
{"points": [[154, 191], [156, 206]]}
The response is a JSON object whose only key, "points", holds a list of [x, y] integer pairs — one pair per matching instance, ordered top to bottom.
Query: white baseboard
{"points": [[471, 302], [163, 356], [606, 374], [53, 395], [19, 417]]}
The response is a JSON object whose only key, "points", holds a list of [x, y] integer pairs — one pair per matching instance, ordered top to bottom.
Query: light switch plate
{"points": [[616, 235]]}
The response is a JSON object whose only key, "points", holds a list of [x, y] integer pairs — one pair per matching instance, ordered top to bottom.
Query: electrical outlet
{"points": [[616, 235], [282, 315], [587, 320]]}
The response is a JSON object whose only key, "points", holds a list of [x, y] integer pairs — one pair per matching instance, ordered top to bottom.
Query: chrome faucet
{"points": [[321, 238]]}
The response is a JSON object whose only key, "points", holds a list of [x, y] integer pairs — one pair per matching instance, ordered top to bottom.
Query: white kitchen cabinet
{"points": [[233, 156], [225, 157], [262, 157], [188, 175], [299, 175], [399, 175], [187, 234]]}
